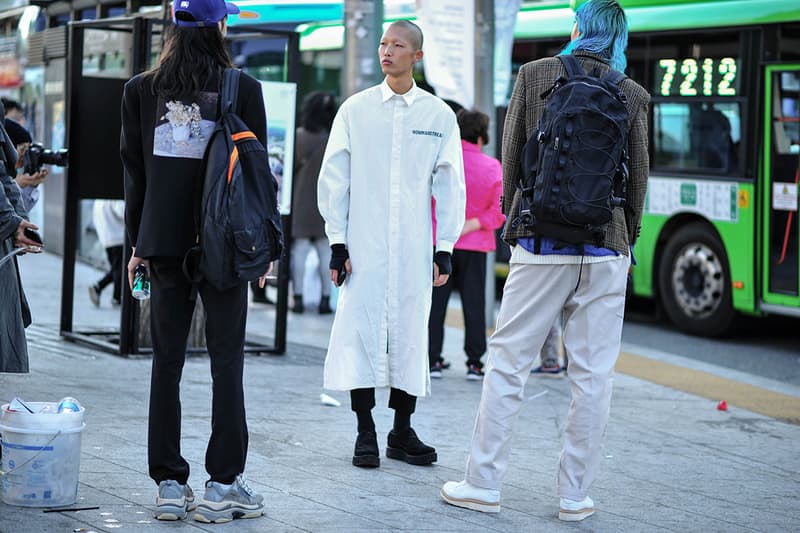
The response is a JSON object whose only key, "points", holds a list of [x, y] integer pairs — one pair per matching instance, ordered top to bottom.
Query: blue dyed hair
{"points": [[603, 30]]}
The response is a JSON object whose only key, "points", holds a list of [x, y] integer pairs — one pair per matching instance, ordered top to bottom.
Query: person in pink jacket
{"points": [[484, 183]]}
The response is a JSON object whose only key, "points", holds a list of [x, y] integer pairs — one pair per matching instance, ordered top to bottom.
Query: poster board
{"points": [[279, 103]]}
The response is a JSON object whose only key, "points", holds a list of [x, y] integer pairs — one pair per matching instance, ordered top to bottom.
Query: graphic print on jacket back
{"points": [[184, 128]]}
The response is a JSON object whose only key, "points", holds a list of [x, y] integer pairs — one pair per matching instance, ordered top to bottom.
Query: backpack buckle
{"points": [[622, 97], [623, 170], [524, 219]]}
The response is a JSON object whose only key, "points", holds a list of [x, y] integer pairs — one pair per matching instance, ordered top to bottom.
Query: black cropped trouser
{"points": [[364, 400]]}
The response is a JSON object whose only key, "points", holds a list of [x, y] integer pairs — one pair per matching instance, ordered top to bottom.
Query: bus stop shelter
{"points": [[103, 55]]}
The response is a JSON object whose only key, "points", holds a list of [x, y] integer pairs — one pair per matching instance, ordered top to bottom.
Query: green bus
{"points": [[720, 230]]}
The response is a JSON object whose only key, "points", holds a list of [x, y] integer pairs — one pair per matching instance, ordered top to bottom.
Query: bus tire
{"points": [[694, 282]]}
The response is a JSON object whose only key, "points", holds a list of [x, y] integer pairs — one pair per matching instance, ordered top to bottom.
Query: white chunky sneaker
{"points": [[462, 494], [174, 500], [223, 503], [575, 511]]}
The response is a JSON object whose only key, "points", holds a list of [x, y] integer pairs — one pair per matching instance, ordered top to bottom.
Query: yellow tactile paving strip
{"points": [[762, 401]]}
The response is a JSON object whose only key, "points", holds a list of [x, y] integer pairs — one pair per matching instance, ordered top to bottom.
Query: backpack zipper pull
{"points": [[555, 145]]}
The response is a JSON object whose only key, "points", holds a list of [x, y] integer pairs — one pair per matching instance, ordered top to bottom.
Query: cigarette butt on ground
{"points": [[536, 395]]}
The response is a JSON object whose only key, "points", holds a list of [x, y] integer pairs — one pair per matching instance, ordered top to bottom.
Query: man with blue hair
{"points": [[547, 276]]}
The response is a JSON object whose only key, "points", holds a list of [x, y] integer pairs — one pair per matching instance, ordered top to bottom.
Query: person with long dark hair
{"points": [[168, 114], [308, 227]]}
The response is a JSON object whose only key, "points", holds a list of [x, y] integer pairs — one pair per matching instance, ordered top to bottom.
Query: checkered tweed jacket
{"points": [[523, 116]]}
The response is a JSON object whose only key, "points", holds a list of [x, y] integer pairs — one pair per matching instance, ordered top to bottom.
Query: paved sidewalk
{"points": [[672, 461]]}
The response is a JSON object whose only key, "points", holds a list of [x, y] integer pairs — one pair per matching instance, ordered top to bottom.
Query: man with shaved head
{"points": [[414, 32], [391, 147]]}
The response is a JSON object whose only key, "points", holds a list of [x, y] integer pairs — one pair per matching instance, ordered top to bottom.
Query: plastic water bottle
{"points": [[141, 283], [68, 405]]}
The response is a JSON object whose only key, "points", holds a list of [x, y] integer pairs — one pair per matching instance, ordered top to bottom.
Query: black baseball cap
{"points": [[17, 132]]}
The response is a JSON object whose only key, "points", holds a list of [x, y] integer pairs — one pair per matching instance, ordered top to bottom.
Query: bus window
{"points": [[786, 113], [697, 136]]}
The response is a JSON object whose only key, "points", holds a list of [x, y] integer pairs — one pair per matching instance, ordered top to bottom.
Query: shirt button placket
{"points": [[395, 175]]}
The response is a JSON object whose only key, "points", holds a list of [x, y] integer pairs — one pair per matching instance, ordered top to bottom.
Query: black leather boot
{"points": [[298, 304], [325, 305], [407, 447], [366, 453]]}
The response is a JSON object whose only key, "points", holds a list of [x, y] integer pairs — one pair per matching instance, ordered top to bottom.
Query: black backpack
{"points": [[575, 167], [239, 225]]}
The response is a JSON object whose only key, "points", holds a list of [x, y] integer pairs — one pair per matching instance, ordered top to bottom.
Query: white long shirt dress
{"points": [[386, 155]]}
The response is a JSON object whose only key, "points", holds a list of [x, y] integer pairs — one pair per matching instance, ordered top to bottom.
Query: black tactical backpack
{"points": [[575, 167], [239, 226]]}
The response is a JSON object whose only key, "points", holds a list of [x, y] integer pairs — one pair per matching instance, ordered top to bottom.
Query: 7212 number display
{"points": [[696, 77]]}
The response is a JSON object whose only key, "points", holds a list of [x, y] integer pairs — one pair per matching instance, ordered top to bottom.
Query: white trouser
{"points": [[300, 249], [533, 299], [550, 349]]}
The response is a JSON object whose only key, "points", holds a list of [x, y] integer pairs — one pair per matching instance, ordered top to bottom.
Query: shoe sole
{"points": [[558, 374], [436, 375], [474, 377], [418, 460], [366, 461], [471, 503], [170, 512], [173, 512], [565, 515], [212, 516]]}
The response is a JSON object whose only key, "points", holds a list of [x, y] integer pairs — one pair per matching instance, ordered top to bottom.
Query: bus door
{"points": [[781, 171]]}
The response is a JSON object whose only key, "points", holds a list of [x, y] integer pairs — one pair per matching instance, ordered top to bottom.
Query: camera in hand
{"points": [[37, 155]]}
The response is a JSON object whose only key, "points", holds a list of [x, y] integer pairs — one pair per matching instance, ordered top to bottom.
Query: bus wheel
{"points": [[694, 282]]}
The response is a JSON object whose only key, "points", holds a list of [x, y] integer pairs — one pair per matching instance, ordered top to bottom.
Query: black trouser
{"points": [[114, 254], [469, 278], [170, 320], [399, 400]]}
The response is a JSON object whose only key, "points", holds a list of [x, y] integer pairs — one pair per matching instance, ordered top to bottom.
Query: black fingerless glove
{"points": [[339, 256], [442, 260]]}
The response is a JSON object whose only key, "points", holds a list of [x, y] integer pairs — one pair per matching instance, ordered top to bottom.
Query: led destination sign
{"points": [[696, 77]]}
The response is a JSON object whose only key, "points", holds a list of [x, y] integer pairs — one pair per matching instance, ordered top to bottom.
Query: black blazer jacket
{"points": [[161, 190]]}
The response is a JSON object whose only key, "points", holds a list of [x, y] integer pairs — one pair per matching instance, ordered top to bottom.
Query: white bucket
{"points": [[41, 455]]}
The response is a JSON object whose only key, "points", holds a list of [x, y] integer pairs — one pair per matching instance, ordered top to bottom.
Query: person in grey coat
{"points": [[308, 228], [15, 314]]}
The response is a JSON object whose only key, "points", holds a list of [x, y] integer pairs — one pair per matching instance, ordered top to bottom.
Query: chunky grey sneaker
{"points": [[173, 501], [223, 503]]}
